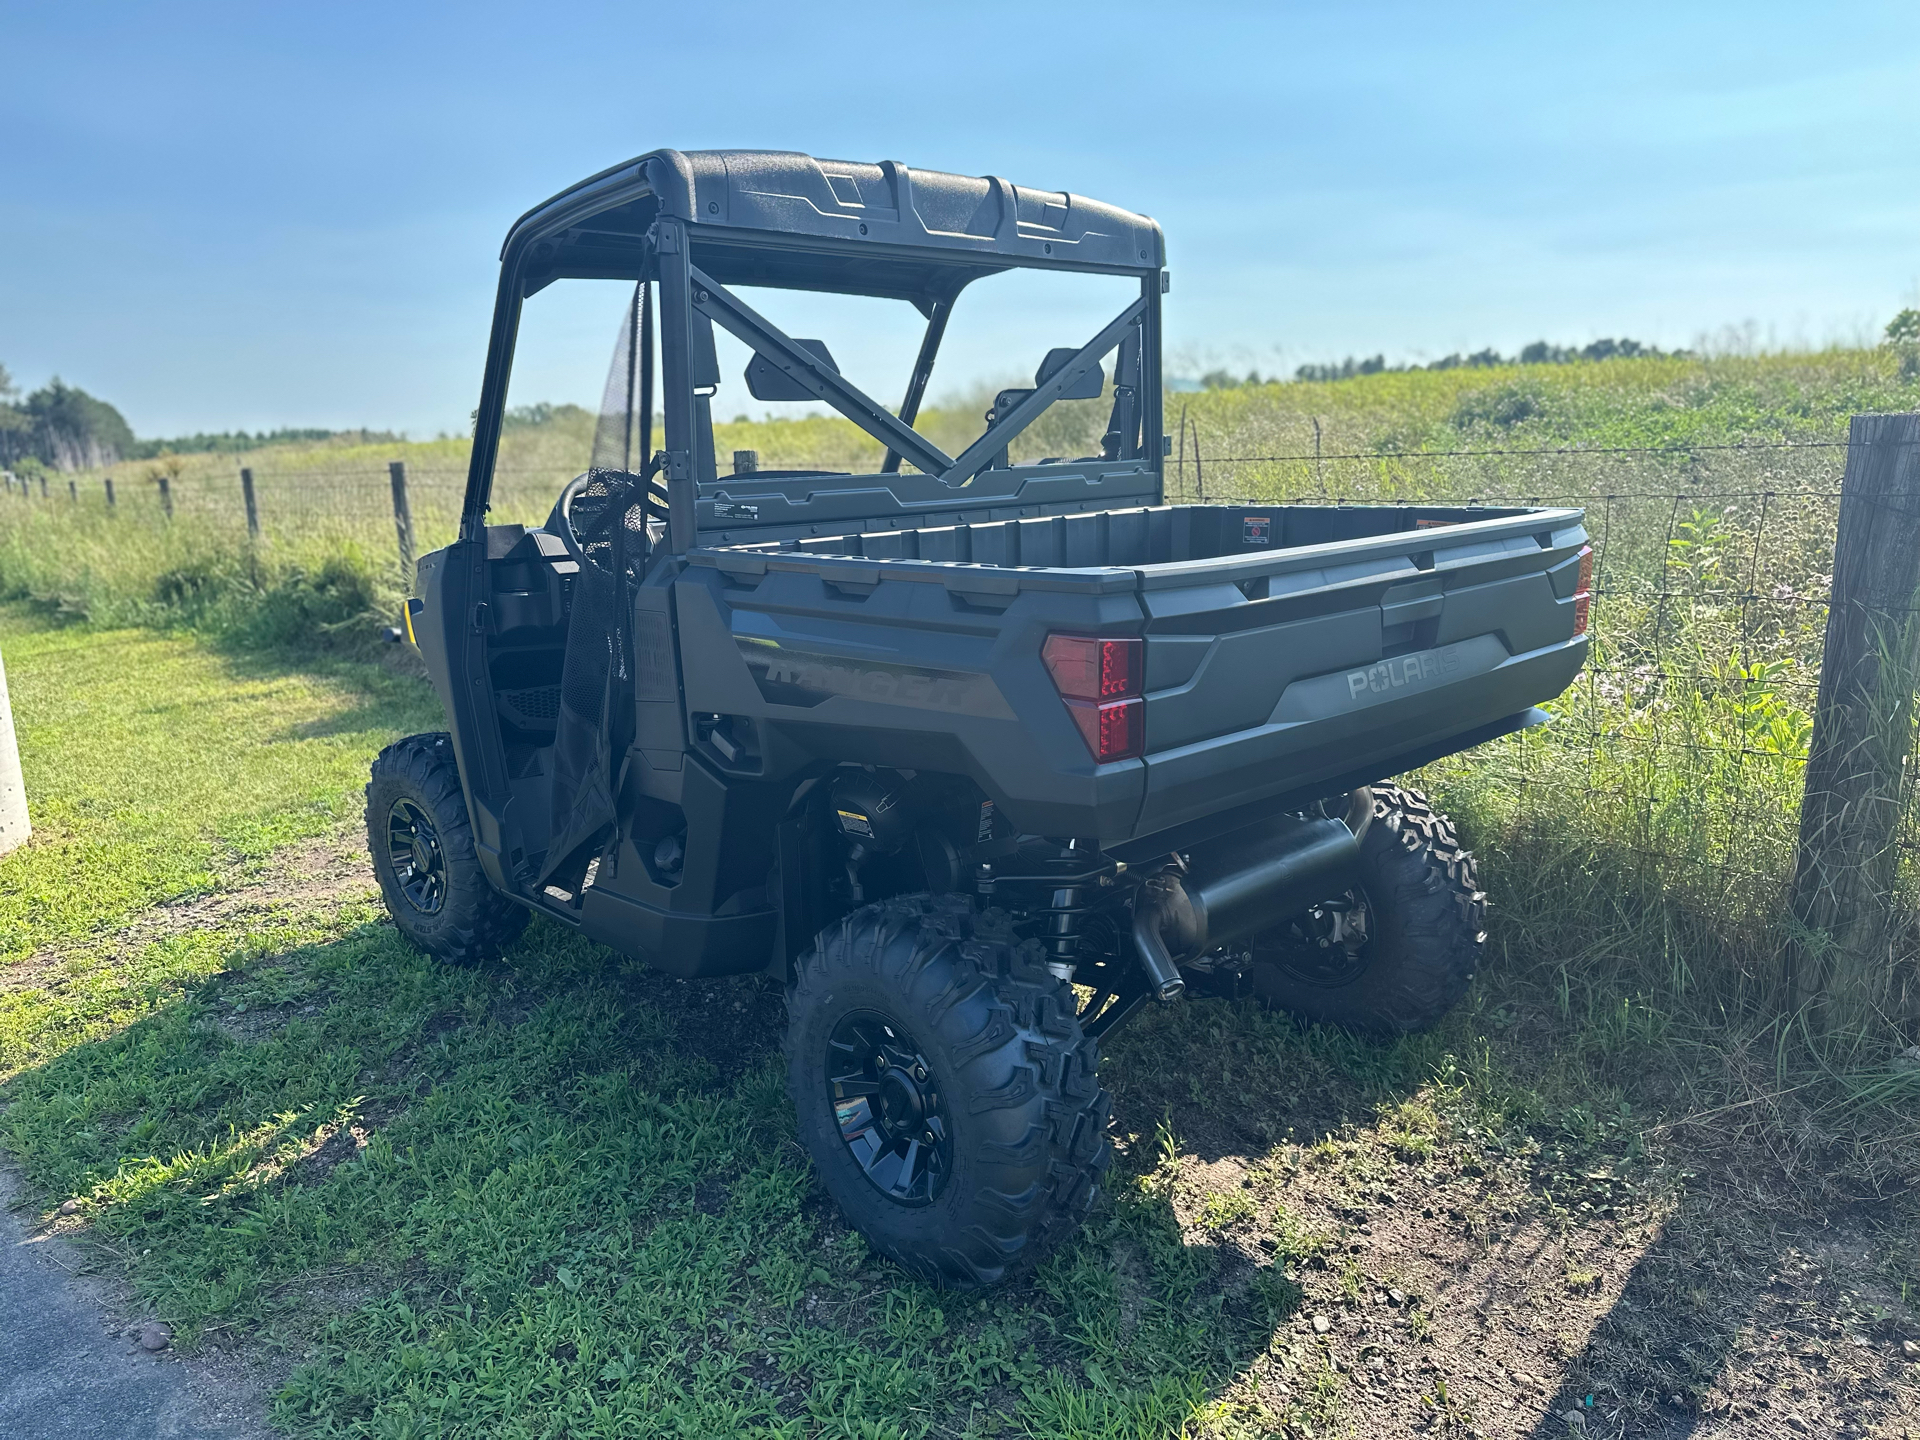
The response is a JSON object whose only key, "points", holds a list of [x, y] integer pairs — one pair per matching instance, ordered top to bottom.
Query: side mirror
{"points": [[767, 381], [1086, 386]]}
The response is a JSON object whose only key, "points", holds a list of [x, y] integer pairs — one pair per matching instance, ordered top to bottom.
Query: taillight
{"points": [[1583, 591], [1100, 681]]}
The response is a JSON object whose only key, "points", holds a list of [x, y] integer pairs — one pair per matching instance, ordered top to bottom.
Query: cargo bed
{"points": [[1290, 650]]}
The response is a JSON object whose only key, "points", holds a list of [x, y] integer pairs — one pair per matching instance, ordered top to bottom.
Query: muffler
{"points": [[1237, 885]]}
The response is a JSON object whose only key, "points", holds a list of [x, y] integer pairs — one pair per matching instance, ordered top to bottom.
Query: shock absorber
{"points": [[1066, 910]]}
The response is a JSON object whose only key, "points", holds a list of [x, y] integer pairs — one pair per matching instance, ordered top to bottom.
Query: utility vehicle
{"points": [[978, 753]]}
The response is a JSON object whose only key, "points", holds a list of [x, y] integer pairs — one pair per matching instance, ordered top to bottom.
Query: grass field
{"points": [[561, 1195]]}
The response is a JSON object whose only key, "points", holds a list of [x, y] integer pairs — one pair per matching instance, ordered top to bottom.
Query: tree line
{"points": [[1540, 352], [59, 426], [62, 427]]}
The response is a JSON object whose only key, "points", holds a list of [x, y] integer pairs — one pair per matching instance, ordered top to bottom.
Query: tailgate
{"points": [[1269, 673]]}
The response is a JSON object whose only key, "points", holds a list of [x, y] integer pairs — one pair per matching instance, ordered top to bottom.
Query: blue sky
{"points": [[228, 216]]}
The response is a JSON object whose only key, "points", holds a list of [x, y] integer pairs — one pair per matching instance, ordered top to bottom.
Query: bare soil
{"points": [[1452, 1286]]}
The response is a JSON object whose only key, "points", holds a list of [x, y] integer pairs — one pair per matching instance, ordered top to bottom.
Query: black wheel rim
{"points": [[419, 864], [1328, 946], [889, 1107]]}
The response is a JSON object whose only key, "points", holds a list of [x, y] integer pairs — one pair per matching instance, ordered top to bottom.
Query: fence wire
{"points": [[1687, 733], [1684, 741]]}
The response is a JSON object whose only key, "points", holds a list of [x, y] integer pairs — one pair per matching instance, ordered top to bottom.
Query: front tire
{"points": [[423, 856], [1395, 954], [943, 1086]]}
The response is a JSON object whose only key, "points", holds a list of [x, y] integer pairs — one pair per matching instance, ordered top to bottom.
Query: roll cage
{"points": [[693, 225]]}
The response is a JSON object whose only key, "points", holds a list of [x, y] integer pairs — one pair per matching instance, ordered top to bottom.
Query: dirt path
{"points": [[303, 876]]}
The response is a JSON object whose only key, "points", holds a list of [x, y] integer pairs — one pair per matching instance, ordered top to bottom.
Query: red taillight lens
{"points": [[1583, 591], [1087, 668], [1101, 681], [1113, 731]]}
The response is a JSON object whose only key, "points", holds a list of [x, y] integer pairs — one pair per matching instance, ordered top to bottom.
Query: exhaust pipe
{"points": [[1239, 884]]}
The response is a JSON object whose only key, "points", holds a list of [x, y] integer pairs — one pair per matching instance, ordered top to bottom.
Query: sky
{"points": [[251, 216]]}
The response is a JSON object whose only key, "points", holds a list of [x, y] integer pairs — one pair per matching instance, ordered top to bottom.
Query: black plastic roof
{"points": [[779, 218]]}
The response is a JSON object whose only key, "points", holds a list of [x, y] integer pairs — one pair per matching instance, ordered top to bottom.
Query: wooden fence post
{"points": [[746, 462], [43, 487], [73, 491], [110, 492], [166, 496], [253, 508], [402, 520], [14, 828], [1846, 868]]}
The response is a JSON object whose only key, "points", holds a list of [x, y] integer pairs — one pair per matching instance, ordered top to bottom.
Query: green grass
{"points": [[161, 768], [563, 1195]]}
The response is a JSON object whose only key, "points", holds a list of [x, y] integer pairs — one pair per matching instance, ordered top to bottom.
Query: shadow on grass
{"points": [[389, 685], [568, 1189]]}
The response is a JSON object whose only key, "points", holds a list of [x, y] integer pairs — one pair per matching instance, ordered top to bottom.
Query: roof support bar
{"points": [[713, 300], [937, 316], [977, 456]]}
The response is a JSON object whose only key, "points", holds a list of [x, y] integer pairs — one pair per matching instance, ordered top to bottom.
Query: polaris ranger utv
{"points": [[977, 755]]}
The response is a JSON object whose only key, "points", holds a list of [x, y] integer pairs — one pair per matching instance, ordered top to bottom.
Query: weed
{"points": [[1225, 1208], [1295, 1239], [1352, 1281], [1579, 1281], [1451, 1412]]}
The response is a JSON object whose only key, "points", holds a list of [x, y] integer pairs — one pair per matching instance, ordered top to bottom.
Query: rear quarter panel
{"points": [[888, 665]]}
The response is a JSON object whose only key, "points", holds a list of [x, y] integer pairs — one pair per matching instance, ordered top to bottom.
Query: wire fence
{"points": [[1685, 738], [1682, 748]]}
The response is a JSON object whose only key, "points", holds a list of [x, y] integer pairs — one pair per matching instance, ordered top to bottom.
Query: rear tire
{"points": [[423, 856], [1405, 942], [943, 1086]]}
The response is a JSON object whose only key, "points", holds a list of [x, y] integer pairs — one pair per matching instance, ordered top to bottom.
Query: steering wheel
{"points": [[590, 509], [560, 518]]}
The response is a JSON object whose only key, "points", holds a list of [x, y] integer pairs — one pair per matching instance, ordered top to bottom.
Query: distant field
{"points": [[1639, 425], [340, 488]]}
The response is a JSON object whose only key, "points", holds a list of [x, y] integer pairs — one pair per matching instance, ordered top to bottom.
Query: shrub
{"points": [[1499, 407], [335, 605]]}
